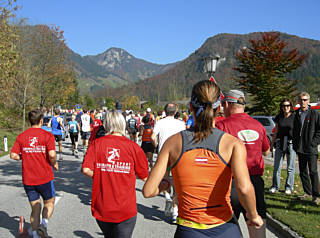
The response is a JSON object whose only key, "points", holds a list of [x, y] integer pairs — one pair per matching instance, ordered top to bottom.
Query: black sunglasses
{"points": [[304, 99], [286, 105]]}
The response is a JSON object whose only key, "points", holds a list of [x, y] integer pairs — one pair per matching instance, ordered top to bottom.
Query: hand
{"points": [[55, 166], [257, 222]]}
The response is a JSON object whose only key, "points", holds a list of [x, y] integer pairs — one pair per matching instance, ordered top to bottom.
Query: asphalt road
{"points": [[72, 214]]}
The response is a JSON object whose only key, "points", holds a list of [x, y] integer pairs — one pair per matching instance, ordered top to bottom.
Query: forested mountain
{"points": [[113, 68], [177, 82]]}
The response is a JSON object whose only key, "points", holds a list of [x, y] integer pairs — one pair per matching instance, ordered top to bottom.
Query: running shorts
{"points": [[132, 131], [85, 135], [58, 138], [147, 147], [258, 184], [46, 191], [228, 229]]}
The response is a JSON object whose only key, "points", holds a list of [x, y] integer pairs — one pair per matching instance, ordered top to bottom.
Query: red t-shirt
{"points": [[95, 126], [252, 134], [34, 145], [115, 161]]}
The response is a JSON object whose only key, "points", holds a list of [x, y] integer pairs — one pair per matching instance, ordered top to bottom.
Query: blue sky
{"points": [[165, 31]]}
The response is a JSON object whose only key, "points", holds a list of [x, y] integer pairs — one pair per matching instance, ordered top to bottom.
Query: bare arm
{"points": [[14, 156], [53, 159], [87, 172], [155, 182], [243, 184]]}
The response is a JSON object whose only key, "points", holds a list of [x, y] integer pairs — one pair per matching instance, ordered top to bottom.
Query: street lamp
{"points": [[210, 64]]}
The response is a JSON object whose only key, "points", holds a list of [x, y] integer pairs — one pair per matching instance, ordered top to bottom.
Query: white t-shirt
{"points": [[85, 122], [167, 127]]}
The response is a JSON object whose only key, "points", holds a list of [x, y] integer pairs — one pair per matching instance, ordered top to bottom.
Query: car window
{"points": [[263, 121]]}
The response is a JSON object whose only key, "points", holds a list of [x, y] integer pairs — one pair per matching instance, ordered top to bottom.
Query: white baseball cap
{"points": [[148, 109]]}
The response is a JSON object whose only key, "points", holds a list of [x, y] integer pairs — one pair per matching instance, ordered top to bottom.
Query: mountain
{"points": [[113, 68], [176, 83]]}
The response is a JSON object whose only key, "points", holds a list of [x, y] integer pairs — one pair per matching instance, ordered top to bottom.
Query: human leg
{"points": [[150, 159], [278, 159], [291, 160], [313, 172], [304, 175], [258, 185], [35, 214]]}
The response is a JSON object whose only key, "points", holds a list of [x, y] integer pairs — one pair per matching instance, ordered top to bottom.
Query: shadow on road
{"points": [[152, 213], [10, 223]]}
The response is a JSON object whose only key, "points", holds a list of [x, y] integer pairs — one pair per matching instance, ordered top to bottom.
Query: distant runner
{"points": [[56, 123]]}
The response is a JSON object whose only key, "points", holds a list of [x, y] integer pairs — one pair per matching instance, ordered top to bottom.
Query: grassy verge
{"points": [[11, 135], [302, 216]]}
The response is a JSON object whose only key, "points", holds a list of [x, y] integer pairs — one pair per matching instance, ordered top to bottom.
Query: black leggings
{"points": [[73, 137], [118, 230]]}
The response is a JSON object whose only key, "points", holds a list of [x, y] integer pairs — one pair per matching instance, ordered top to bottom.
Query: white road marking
{"points": [[58, 197]]}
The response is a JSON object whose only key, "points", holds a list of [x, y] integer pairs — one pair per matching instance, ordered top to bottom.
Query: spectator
{"points": [[306, 137]]}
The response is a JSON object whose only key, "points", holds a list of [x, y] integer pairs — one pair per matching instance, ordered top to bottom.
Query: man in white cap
{"points": [[254, 136]]}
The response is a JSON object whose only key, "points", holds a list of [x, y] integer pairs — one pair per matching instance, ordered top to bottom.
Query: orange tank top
{"points": [[146, 136], [202, 181]]}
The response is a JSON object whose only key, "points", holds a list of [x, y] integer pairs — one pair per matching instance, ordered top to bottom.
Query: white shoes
{"points": [[272, 190], [288, 191]]}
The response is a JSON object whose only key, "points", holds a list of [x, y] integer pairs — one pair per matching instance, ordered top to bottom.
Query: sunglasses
{"points": [[304, 99], [286, 105]]}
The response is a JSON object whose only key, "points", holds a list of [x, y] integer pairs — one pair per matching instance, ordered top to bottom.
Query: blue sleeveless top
{"points": [[55, 125]]}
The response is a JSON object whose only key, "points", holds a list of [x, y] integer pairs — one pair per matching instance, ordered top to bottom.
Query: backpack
{"points": [[132, 123]]}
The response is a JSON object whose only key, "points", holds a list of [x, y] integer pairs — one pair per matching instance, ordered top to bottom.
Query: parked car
{"points": [[268, 123], [45, 127]]}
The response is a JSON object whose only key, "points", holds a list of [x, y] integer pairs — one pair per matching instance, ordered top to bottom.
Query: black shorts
{"points": [[85, 135], [58, 138], [147, 147], [258, 185]]}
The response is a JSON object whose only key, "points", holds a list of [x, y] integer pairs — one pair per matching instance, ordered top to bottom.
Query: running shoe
{"points": [[76, 154], [60, 157], [168, 207], [174, 219], [21, 225], [42, 231]]}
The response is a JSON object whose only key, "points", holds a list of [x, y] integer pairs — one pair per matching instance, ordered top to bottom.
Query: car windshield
{"points": [[263, 121]]}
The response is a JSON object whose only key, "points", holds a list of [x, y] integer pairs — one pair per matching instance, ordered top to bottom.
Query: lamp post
{"points": [[210, 64]]}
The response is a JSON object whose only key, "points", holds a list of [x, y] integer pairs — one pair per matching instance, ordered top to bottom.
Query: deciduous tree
{"points": [[263, 67]]}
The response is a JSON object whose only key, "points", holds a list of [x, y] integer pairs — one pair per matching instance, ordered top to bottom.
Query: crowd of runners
{"points": [[207, 163]]}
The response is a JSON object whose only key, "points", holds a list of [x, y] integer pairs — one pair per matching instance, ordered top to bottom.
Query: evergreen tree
{"points": [[263, 67]]}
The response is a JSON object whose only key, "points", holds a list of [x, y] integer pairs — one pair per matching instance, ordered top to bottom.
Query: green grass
{"points": [[11, 135], [302, 216]]}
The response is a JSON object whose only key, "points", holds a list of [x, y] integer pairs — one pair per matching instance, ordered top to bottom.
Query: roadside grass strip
{"points": [[11, 137], [301, 216]]}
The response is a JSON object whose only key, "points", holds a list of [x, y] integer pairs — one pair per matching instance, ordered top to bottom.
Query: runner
{"points": [[86, 122], [56, 123], [95, 127], [132, 127], [74, 128], [163, 129], [254, 136], [146, 145], [36, 148], [113, 161], [203, 161]]}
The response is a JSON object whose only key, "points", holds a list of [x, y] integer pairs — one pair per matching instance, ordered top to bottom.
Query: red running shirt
{"points": [[95, 126], [252, 134], [34, 145], [115, 161]]}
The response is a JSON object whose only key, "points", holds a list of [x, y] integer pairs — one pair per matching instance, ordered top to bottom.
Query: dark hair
{"points": [[206, 93], [280, 105], [170, 109], [177, 115], [35, 116]]}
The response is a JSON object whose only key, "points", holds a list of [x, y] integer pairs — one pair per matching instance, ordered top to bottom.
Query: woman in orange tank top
{"points": [[202, 161]]}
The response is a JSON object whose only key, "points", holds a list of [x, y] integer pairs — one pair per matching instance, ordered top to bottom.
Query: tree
{"points": [[8, 51], [263, 67]]}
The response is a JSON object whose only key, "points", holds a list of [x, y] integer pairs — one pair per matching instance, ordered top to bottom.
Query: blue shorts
{"points": [[45, 190], [230, 229]]}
